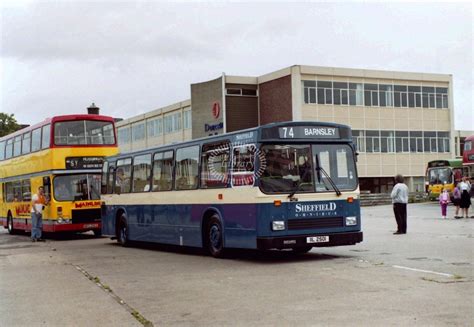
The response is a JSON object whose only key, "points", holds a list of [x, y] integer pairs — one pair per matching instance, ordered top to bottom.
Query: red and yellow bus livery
{"points": [[64, 154]]}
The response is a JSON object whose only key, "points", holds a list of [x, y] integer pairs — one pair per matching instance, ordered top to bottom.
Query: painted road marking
{"points": [[424, 271]]}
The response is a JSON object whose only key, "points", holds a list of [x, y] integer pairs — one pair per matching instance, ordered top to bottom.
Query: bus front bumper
{"points": [[285, 242]]}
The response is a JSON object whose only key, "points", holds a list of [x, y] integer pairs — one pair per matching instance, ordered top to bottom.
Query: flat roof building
{"points": [[400, 120]]}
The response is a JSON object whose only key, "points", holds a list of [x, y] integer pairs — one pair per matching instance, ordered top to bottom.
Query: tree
{"points": [[8, 124]]}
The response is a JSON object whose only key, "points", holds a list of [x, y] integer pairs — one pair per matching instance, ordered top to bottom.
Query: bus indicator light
{"points": [[220, 196], [350, 199], [277, 203]]}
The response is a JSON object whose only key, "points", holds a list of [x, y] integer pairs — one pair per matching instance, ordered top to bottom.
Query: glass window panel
{"points": [[309, 83], [324, 84], [340, 85], [370, 87], [400, 88], [414, 89], [328, 93], [312, 95], [321, 96], [337, 96], [344, 97], [404, 97], [367, 98], [375, 98], [397, 99], [411, 99], [418, 100], [46, 137], [36, 140], [26, 143], [17, 146], [9, 149], [2, 150], [215, 160], [187, 163], [243, 165], [163, 171], [141, 173], [123, 176]]}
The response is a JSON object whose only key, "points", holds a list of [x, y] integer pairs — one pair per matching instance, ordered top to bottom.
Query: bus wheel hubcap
{"points": [[215, 236]]}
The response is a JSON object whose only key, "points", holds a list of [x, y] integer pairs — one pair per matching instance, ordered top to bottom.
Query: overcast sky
{"points": [[58, 57]]}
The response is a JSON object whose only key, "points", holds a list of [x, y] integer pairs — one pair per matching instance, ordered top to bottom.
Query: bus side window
{"points": [[163, 163], [215, 165], [187, 168], [141, 173], [123, 176], [110, 179]]}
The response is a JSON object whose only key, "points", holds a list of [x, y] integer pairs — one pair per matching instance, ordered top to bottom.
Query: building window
{"points": [[309, 91], [241, 92], [324, 92], [341, 93], [356, 94], [386, 95], [400, 96], [187, 122], [173, 123], [154, 127], [138, 132], [123, 135]]}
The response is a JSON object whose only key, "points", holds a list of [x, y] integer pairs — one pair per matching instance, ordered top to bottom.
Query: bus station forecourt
{"points": [[422, 278]]}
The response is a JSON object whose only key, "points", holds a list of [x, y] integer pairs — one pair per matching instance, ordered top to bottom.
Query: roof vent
{"points": [[92, 109]]}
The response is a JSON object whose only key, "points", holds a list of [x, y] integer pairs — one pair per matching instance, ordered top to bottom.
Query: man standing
{"points": [[400, 199], [38, 201]]}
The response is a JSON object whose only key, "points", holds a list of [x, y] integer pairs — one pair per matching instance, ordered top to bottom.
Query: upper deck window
{"points": [[83, 132]]}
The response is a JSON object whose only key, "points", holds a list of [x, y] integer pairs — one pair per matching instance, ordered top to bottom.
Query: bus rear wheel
{"points": [[11, 229], [122, 232], [214, 237]]}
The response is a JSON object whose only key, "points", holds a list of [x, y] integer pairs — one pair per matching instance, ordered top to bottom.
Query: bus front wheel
{"points": [[10, 228], [122, 232], [214, 237]]}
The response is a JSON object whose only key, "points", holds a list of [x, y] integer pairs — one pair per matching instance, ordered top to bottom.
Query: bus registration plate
{"points": [[317, 239]]}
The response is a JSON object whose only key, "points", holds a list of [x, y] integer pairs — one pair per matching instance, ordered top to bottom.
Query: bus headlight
{"points": [[60, 220], [351, 221], [278, 225]]}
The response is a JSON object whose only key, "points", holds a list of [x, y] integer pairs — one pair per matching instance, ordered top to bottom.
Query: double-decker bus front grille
{"points": [[85, 216], [315, 223]]}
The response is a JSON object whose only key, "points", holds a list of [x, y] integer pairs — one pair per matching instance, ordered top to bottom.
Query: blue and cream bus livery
{"points": [[290, 185]]}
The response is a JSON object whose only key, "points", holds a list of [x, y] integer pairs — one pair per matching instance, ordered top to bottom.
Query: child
{"points": [[443, 201]]}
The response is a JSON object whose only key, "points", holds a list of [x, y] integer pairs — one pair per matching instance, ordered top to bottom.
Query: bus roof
{"points": [[56, 119], [271, 133], [455, 163]]}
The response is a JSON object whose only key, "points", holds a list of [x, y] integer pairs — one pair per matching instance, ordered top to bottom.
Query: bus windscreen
{"points": [[290, 166]]}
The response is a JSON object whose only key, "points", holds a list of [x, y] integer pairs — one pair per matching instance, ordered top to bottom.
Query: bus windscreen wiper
{"points": [[320, 170]]}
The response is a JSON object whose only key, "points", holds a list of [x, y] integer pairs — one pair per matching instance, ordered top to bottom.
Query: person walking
{"points": [[465, 188], [399, 197], [38, 201], [456, 201], [443, 202]]}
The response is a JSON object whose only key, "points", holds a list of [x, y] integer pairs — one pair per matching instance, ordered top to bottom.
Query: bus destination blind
{"points": [[308, 132], [84, 162]]}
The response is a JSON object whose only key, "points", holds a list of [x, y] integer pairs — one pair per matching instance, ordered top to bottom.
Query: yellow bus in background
{"points": [[64, 154], [441, 174]]}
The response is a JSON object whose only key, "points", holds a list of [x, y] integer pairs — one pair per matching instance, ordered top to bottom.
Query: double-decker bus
{"points": [[64, 154], [468, 156], [442, 174], [290, 185]]}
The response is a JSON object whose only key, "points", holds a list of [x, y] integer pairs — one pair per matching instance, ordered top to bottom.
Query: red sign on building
{"points": [[216, 110]]}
